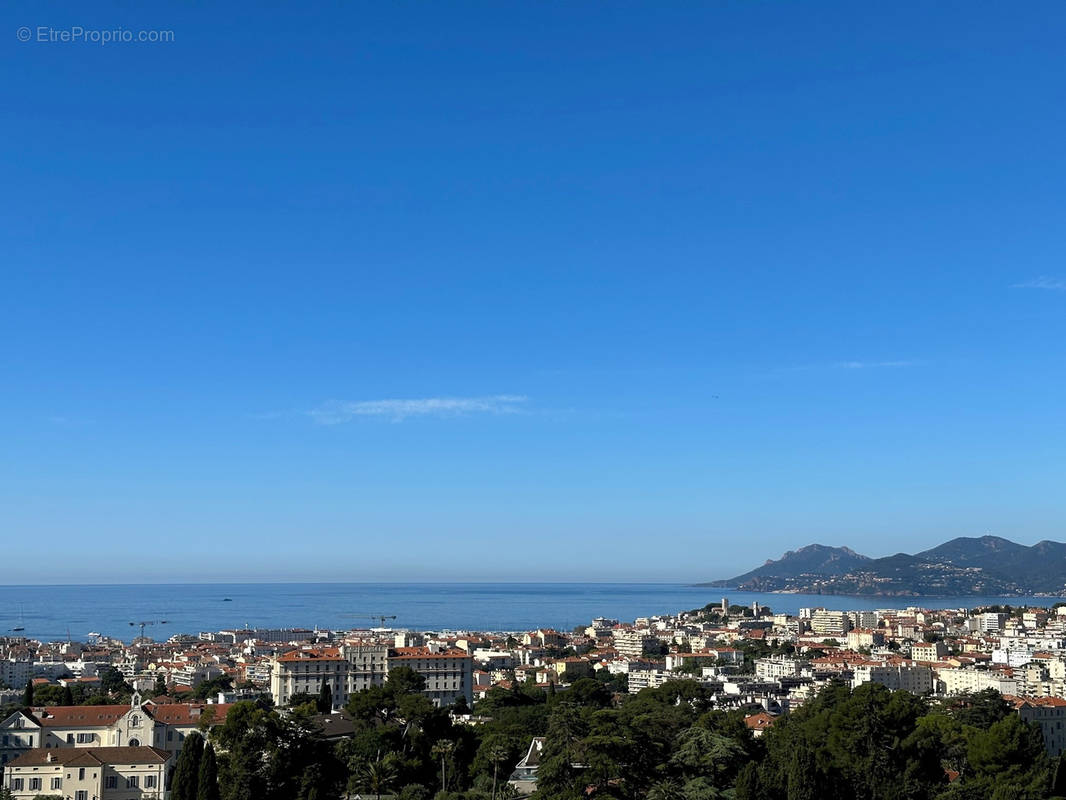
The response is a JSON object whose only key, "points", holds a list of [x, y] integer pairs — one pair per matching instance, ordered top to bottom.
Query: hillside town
{"points": [[63, 712]]}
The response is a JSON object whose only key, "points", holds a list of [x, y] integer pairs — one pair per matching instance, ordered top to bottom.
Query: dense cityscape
{"points": [[533, 401], [704, 703]]}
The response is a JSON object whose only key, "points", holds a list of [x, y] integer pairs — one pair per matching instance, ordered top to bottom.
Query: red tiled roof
{"points": [[425, 652], [318, 654], [105, 716], [758, 721], [90, 756]]}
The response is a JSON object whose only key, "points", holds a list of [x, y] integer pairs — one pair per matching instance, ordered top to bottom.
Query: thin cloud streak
{"points": [[1043, 282], [875, 364], [850, 365], [398, 410]]}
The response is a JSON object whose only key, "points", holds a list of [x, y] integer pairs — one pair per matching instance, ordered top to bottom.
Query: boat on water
{"points": [[21, 626]]}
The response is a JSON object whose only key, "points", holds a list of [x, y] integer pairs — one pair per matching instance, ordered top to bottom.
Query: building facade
{"points": [[98, 773]]}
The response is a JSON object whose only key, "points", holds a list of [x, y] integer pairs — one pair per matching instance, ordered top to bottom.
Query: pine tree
{"points": [[27, 696], [68, 696], [325, 699], [187, 770], [802, 780], [208, 782], [748, 787]]}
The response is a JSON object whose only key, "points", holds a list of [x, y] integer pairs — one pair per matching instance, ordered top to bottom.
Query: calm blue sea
{"points": [[54, 612]]}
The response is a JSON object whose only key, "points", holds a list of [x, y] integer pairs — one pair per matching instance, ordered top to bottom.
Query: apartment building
{"points": [[863, 619], [989, 622], [830, 623], [865, 637], [635, 643], [928, 651], [368, 665], [352, 668], [774, 668], [15, 672], [304, 672], [449, 674], [908, 677], [651, 678], [952, 681], [1049, 713], [99, 773]]}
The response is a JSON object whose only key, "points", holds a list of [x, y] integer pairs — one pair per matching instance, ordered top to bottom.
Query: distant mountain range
{"points": [[988, 565]]}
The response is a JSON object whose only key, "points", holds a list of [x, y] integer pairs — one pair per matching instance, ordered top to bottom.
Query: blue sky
{"points": [[471, 291]]}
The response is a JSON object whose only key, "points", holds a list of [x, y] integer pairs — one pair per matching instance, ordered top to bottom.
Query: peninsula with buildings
{"points": [[987, 566], [474, 714]]}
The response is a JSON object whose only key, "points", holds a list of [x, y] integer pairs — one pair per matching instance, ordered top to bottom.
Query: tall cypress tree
{"points": [[27, 695], [325, 699], [187, 770], [803, 781], [1058, 782], [208, 783], [748, 786]]}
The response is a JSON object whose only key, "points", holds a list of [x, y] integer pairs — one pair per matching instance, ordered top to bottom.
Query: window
{"points": [[70, 738], [84, 738], [81, 774], [149, 781], [111, 782], [133, 782], [57, 783], [16, 784], [35, 784], [82, 795]]}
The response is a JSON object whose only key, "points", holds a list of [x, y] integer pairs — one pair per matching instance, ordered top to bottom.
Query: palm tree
{"points": [[442, 750], [497, 753], [376, 776], [666, 790]]}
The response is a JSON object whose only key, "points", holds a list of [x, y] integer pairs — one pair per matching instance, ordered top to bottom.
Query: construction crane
{"points": [[381, 618], [143, 623]]}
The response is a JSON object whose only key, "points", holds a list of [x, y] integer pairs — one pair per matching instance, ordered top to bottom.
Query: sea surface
{"points": [[58, 612]]}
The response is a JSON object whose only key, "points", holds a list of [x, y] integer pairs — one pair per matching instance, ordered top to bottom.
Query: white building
{"points": [[830, 623], [635, 643], [774, 668], [908, 677], [962, 680]]}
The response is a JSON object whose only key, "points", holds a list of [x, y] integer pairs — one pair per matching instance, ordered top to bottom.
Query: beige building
{"points": [[865, 637], [928, 651], [368, 665], [304, 672], [448, 673], [1049, 713], [164, 726], [97, 773]]}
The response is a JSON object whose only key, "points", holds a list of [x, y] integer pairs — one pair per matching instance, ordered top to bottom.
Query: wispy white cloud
{"points": [[1043, 282], [874, 364], [336, 413]]}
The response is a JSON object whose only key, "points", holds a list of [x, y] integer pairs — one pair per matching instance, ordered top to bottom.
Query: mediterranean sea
{"points": [[56, 612]]}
